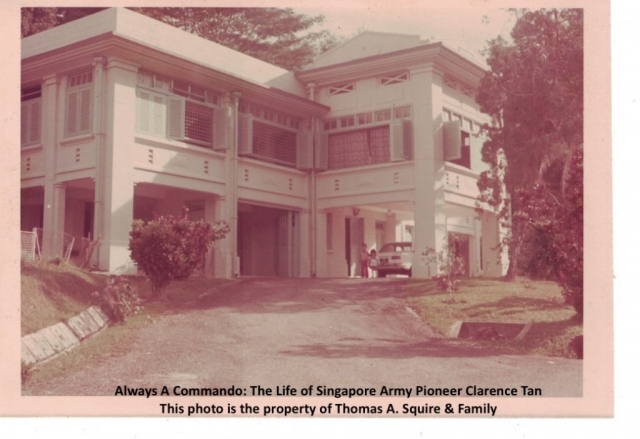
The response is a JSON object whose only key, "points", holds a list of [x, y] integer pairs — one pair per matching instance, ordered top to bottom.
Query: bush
{"points": [[167, 248], [450, 266], [119, 299]]}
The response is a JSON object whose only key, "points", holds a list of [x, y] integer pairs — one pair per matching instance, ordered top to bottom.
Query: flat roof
{"points": [[165, 38]]}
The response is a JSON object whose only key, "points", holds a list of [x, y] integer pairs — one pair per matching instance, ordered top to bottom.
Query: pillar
{"points": [[49, 135], [118, 184], [430, 218], [321, 243], [222, 248], [304, 267]]}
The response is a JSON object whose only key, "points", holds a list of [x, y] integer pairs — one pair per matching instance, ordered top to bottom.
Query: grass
{"points": [[53, 293], [554, 324]]}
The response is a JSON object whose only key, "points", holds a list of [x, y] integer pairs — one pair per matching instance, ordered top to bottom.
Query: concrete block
{"points": [[97, 315], [83, 325], [455, 330], [492, 330], [66, 337], [51, 338], [38, 346], [27, 356]]}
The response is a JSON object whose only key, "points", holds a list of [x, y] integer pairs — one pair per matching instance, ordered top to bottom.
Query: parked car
{"points": [[395, 258]]}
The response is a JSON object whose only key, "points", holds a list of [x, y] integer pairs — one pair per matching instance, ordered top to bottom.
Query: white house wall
{"points": [[135, 173]]}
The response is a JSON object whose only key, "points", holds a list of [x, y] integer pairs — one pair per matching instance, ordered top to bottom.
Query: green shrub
{"points": [[168, 248], [119, 299]]}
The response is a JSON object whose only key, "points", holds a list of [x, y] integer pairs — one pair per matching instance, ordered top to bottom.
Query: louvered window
{"points": [[178, 110], [151, 113], [78, 115], [30, 116], [274, 143]]}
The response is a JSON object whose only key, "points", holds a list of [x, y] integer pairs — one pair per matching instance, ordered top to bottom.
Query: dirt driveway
{"points": [[341, 333]]}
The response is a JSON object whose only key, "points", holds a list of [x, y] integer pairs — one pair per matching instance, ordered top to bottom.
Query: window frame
{"points": [[165, 87], [84, 89], [29, 100]]}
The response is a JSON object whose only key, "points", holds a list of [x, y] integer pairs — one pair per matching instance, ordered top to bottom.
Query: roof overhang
{"points": [[152, 45], [443, 58]]}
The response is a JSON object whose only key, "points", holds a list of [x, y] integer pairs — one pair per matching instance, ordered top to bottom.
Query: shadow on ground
{"points": [[278, 295], [394, 349]]}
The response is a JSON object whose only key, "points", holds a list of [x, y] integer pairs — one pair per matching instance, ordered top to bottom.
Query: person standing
{"points": [[364, 262], [373, 263]]}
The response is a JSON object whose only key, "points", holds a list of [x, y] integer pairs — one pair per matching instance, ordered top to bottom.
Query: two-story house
{"points": [[377, 141]]}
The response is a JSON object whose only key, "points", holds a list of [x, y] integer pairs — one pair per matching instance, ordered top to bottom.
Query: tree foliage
{"points": [[275, 35], [534, 95], [169, 248], [451, 266]]}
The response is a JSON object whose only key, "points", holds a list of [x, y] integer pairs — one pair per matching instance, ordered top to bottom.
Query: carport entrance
{"points": [[268, 241]]}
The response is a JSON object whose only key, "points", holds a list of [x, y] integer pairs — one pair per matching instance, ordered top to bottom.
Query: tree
{"points": [[277, 36], [534, 95], [560, 222], [169, 248], [450, 265]]}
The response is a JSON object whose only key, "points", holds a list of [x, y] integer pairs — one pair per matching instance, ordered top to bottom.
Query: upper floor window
{"points": [[394, 79], [455, 85], [341, 89], [180, 110], [30, 116], [78, 117], [371, 118], [268, 134], [459, 134], [378, 144]]}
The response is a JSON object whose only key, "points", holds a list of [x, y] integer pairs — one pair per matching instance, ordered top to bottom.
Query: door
{"points": [[288, 244]]}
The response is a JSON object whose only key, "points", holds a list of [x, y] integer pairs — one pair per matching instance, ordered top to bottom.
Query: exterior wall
{"points": [[137, 173]]}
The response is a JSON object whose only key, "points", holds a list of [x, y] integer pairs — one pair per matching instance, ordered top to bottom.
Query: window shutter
{"points": [[85, 110], [144, 112], [72, 113], [150, 113], [158, 116], [176, 118], [34, 121], [24, 123], [220, 129], [245, 134], [407, 137], [400, 140], [451, 140], [304, 150], [322, 151], [476, 154]]}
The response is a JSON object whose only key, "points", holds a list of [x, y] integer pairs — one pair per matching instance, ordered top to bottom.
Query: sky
{"points": [[476, 26]]}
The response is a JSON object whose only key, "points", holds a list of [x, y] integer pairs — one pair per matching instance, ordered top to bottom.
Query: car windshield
{"points": [[396, 247]]}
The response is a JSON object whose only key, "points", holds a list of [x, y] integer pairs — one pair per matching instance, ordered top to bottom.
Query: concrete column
{"points": [[120, 120], [98, 129], [49, 137], [233, 187], [57, 210], [210, 217], [430, 218], [390, 228], [321, 243], [222, 249], [304, 251]]}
